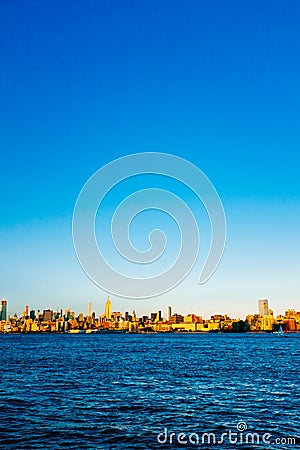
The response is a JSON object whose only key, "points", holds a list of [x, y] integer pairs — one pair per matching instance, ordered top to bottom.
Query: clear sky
{"points": [[217, 83]]}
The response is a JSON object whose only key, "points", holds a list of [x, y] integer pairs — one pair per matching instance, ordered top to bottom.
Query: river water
{"points": [[136, 391]]}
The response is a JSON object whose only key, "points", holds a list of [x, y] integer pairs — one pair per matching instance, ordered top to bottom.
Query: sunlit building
{"points": [[263, 307], [108, 309], [158, 316], [81, 317], [176, 318], [267, 322]]}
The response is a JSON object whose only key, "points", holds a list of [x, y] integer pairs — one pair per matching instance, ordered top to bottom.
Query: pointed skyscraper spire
{"points": [[108, 309]]}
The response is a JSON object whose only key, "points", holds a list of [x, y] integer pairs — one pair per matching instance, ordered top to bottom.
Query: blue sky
{"points": [[216, 83]]}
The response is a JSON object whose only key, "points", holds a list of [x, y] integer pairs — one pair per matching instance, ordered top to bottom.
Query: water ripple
{"points": [[119, 391]]}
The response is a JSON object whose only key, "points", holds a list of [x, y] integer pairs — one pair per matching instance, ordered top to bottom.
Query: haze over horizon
{"points": [[216, 84]]}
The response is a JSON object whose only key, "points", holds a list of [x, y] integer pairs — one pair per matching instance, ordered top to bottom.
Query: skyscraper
{"points": [[263, 307], [89, 309], [108, 309], [3, 310], [169, 312], [47, 315], [158, 316], [81, 317]]}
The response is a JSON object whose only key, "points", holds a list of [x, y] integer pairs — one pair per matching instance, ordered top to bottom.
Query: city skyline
{"points": [[262, 309], [67, 321]]}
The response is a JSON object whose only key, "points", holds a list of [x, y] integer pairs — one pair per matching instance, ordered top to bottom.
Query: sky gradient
{"points": [[216, 83]]}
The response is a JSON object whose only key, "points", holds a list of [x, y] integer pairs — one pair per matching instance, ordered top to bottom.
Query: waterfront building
{"points": [[89, 309], [292, 314], [176, 318], [192, 318], [135, 321], [251, 322], [267, 322], [27, 325], [213, 325], [291, 325], [184, 326], [34, 327], [162, 327]]}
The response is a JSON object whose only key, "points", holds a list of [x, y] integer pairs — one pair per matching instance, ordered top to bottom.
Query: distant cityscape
{"points": [[67, 321]]}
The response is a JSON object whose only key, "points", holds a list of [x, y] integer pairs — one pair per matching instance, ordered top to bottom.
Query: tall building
{"points": [[263, 307], [89, 309], [108, 309], [3, 310], [169, 312], [47, 315], [153, 316], [158, 316], [81, 317]]}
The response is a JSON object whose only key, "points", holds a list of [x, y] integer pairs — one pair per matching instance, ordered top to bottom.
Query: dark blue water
{"points": [[111, 391]]}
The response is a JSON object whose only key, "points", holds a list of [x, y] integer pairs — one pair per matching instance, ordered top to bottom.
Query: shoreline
{"points": [[81, 332]]}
